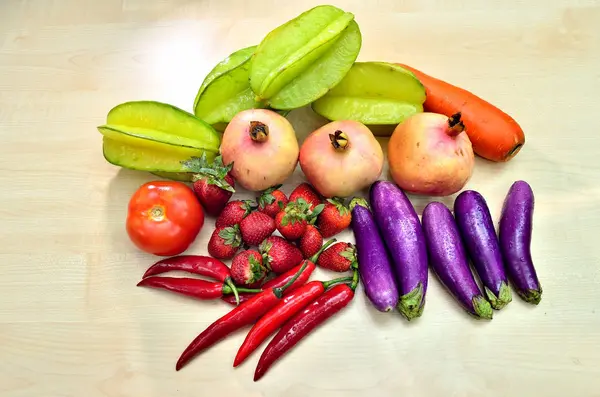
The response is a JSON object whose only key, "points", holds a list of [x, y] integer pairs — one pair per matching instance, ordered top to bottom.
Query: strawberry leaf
{"points": [[214, 173], [339, 205], [249, 206], [317, 210], [231, 236], [265, 246], [349, 253], [256, 269]]}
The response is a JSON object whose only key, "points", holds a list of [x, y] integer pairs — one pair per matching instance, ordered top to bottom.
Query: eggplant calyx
{"points": [[455, 125], [259, 132], [339, 140], [358, 201], [533, 296], [503, 298], [411, 305], [482, 308]]}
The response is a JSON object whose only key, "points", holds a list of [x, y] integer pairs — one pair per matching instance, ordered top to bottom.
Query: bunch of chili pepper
{"points": [[193, 287], [288, 302], [271, 309]]}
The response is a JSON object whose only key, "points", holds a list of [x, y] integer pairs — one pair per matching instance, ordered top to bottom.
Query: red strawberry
{"points": [[213, 184], [308, 193], [271, 201], [234, 212], [334, 218], [256, 227], [290, 227], [311, 241], [225, 242], [279, 255], [339, 257], [247, 269]]}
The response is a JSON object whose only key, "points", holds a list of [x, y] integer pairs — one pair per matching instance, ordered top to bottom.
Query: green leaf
{"points": [[214, 173], [317, 210], [231, 236], [265, 246], [349, 253], [256, 268]]}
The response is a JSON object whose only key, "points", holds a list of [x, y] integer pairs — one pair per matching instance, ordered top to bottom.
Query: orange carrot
{"points": [[494, 134]]}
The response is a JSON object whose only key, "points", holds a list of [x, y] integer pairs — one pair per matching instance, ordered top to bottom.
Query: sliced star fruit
{"points": [[301, 60], [226, 90], [373, 93], [155, 137]]}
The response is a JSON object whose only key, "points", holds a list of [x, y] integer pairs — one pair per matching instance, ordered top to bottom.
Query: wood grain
{"points": [[72, 322]]}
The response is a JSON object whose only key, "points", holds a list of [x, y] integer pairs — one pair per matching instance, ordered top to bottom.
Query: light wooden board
{"points": [[72, 322]]}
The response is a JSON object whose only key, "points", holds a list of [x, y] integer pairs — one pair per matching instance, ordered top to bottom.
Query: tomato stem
{"points": [[157, 213]]}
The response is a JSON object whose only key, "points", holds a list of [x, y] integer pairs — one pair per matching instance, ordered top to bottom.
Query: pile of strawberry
{"points": [[244, 229]]}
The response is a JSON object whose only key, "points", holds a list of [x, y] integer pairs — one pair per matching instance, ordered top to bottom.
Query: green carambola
{"points": [[301, 60], [226, 90], [373, 93], [156, 137]]}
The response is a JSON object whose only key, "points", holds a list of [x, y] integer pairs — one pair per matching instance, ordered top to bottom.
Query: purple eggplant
{"points": [[516, 224], [402, 233], [479, 236], [448, 259], [373, 262]]}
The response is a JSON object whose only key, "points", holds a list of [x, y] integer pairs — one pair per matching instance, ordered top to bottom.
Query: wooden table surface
{"points": [[72, 322]]}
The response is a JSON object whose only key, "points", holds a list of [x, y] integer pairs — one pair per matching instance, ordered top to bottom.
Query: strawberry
{"points": [[213, 183], [308, 193], [271, 201], [234, 212], [334, 218], [256, 227], [290, 227], [225, 242], [310, 242], [279, 255], [339, 257], [247, 269]]}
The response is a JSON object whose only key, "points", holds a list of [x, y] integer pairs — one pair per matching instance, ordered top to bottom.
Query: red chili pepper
{"points": [[195, 264], [283, 278], [279, 281], [193, 287], [291, 304], [317, 312], [240, 316]]}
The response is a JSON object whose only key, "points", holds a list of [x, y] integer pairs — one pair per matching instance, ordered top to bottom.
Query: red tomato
{"points": [[164, 217]]}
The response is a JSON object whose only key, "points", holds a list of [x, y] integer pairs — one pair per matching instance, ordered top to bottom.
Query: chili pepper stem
{"points": [[315, 257], [354, 276], [329, 283], [234, 289], [228, 290], [279, 291]]}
